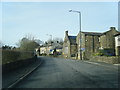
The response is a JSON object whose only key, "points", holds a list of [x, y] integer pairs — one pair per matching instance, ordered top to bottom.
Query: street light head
{"points": [[70, 10], [74, 11]]}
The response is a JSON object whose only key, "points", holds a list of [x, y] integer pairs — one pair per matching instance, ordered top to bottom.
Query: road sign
{"points": [[82, 49], [50, 50]]}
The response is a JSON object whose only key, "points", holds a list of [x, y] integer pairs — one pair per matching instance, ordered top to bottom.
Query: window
{"points": [[99, 39], [118, 39], [73, 55]]}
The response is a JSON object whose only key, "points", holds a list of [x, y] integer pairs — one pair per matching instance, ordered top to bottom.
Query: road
{"points": [[63, 73]]}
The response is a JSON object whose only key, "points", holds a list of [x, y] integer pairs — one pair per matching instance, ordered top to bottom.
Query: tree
{"points": [[55, 40], [58, 40], [39, 41], [28, 43], [0, 44], [7, 47]]}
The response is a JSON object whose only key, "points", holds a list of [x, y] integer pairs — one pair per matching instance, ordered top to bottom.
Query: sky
{"points": [[53, 18]]}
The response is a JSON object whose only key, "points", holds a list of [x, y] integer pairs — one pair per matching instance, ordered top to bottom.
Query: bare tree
{"points": [[29, 36], [56, 40], [39, 41], [28, 43]]}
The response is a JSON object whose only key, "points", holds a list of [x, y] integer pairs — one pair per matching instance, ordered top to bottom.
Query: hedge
{"points": [[12, 56]]}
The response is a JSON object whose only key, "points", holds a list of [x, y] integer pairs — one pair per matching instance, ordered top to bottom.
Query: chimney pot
{"points": [[112, 28], [66, 32]]}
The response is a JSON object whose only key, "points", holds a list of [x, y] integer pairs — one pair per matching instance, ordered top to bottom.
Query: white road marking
{"points": [[92, 62], [116, 64], [102, 65]]}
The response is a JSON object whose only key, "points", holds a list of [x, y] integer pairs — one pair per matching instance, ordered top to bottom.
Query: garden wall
{"points": [[15, 59], [110, 60], [17, 64]]}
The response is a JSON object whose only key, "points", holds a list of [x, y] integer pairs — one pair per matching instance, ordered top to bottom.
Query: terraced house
{"points": [[107, 41], [91, 42], [117, 44], [69, 46]]}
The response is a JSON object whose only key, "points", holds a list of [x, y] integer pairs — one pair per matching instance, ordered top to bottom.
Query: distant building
{"points": [[117, 44], [69, 46], [49, 48], [46, 49], [43, 50]]}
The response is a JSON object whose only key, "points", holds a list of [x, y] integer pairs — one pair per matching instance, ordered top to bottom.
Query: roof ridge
{"points": [[109, 31], [91, 32], [71, 35]]}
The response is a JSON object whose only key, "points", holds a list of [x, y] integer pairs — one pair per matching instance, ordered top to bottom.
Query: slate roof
{"points": [[109, 31], [92, 33], [117, 34], [72, 39]]}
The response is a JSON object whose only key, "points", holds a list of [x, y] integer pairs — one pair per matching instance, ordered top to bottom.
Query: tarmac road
{"points": [[64, 73]]}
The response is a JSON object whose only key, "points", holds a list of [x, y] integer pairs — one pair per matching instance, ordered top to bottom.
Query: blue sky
{"points": [[41, 18]]}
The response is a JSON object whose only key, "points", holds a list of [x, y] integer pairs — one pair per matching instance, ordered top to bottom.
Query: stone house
{"points": [[107, 41], [92, 42], [89, 44], [117, 44], [69, 46], [49, 48], [43, 50], [46, 50], [59, 50]]}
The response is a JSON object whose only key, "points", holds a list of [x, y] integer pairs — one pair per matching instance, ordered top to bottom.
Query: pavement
{"points": [[110, 66], [65, 73], [11, 78]]}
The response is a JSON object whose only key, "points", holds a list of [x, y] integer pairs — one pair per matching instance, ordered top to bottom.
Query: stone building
{"points": [[107, 41], [92, 42], [89, 44], [117, 44], [69, 46], [49, 48], [46, 49], [43, 50]]}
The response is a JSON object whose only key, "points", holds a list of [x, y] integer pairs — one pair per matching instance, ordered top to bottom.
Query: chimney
{"points": [[112, 28], [66, 33]]}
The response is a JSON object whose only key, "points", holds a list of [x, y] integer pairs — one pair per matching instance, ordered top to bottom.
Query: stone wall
{"points": [[96, 44], [91, 45], [88, 46], [73, 50], [117, 50], [110, 60], [18, 64]]}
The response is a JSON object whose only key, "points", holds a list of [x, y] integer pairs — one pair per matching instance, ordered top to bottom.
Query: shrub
{"points": [[104, 52], [98, 54]]}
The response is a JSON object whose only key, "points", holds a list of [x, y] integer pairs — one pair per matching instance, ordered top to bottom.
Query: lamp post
{"points": [[79, 31]]}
